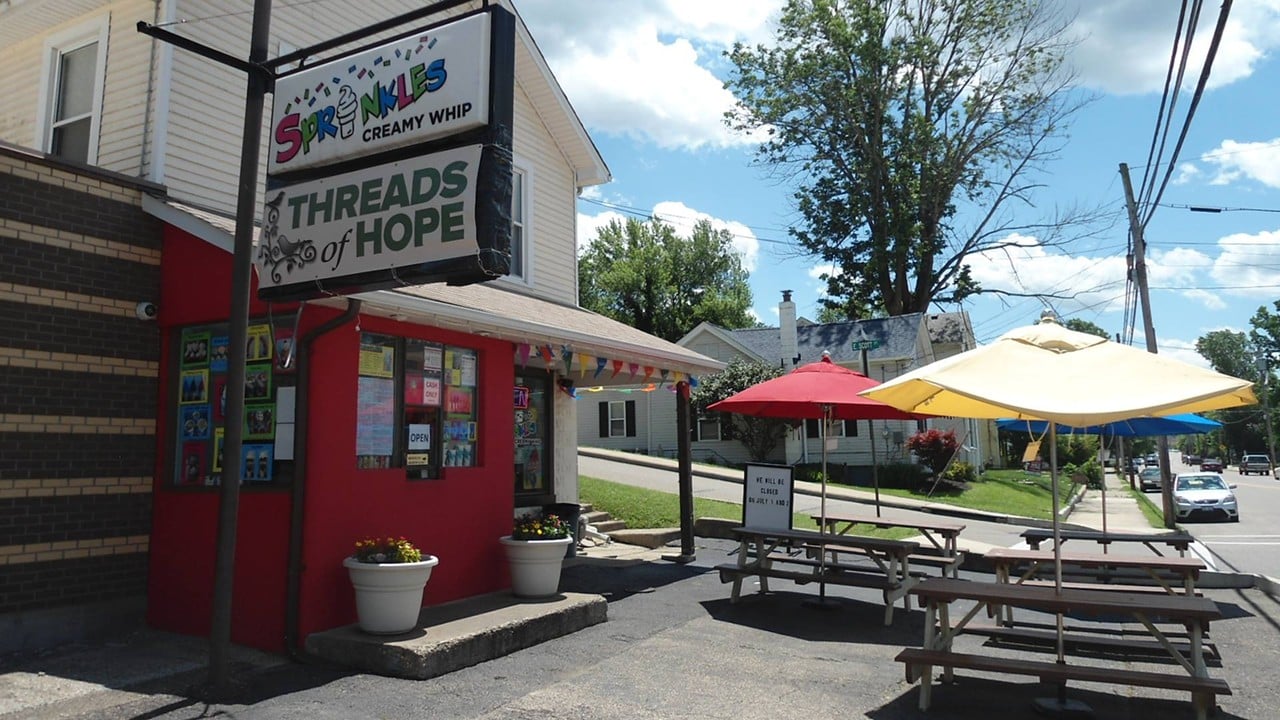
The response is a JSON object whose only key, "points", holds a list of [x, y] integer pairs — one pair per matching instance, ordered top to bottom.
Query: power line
{"points": [[1215, 210], [646, 214]]}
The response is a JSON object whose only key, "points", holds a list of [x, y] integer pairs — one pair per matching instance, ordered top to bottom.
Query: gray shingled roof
{"points": [[946, 328], [897, 336]]}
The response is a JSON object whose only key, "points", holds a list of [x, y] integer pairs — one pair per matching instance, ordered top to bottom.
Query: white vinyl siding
{"points": [[520, 231]]}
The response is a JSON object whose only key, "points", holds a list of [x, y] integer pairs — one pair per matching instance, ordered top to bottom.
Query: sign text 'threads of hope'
{"points": [[419, 87], [413, 211]]}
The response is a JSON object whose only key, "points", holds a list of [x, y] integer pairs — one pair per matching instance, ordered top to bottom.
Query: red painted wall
{"points": [[458, 518]]}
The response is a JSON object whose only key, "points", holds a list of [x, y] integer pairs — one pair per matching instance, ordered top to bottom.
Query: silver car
{"points": [[1149, 479], [1204, 495]]}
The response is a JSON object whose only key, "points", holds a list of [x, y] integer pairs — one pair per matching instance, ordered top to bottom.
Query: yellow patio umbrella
{"points": [[1047, 372]]}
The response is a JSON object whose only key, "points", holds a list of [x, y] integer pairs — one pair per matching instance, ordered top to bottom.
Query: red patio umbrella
{"points": [[819, 390]]}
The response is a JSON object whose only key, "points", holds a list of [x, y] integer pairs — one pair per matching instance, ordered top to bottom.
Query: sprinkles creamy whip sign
{"points": [[420, 87]]}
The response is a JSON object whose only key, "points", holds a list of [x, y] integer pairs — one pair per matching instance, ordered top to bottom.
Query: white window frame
{"points": [[55, 46], [524, 273], [621, 407], [708, 420]]}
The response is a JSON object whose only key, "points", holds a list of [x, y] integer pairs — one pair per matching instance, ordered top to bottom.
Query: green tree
{"points": [[891, 114], [644, 275], [1085, 326], [1231, 353], [759, 435]]}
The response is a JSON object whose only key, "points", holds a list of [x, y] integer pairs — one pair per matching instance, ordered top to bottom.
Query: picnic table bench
{"points": [[1179, 541], [942, 552], [763, 553], [937, 595]]}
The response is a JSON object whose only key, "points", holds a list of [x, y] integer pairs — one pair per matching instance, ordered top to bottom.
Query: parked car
{"points": [[1192, 460], [1260, 464], [1210, 465], [1149, 479], [1204, 494]]}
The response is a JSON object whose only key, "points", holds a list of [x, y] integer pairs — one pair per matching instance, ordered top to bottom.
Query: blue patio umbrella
{"points": [[1184, 424]]}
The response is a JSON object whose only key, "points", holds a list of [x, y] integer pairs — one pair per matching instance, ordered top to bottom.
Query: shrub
{"points": [[934, 448], [961, 472]]}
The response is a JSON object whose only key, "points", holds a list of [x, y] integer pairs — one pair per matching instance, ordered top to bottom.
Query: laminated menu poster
{"points": [[377, 361], [375, 420]]}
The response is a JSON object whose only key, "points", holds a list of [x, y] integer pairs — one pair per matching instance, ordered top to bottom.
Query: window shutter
{"points": [[631, 418], [604, 419], [694, 425], [851, 428], [811, 429]]}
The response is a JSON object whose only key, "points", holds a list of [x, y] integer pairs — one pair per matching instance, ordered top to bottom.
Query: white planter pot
{"points": [[535, 565], [389, 595]]}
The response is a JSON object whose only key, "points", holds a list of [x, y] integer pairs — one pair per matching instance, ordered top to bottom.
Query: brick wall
{"points": [[78, 384]]}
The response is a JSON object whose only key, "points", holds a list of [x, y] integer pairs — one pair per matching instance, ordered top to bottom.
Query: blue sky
{"points": [[646, 79]]}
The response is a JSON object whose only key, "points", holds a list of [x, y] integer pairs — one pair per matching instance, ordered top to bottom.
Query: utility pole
{"points": [[1144, 297], [1264, 366]]}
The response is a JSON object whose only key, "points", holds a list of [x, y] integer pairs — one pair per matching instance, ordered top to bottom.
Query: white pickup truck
{"points": [[1260, 464]]}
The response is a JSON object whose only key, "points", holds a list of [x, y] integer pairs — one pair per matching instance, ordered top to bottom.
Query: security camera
{"points": [[146, 311]]}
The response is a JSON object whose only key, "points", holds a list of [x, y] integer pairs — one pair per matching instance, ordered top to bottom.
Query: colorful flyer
{"points": [[258, 343], [195, 349], [218, 353], [286, 359], [377, 361], [257, 383], [195, 387], [218, 400], [259, 421], [194, 422], [219, 435], [193, 463], [255, 463]]}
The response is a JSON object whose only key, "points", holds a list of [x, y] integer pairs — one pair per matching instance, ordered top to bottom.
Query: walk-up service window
{"points": [[417, 406], [199, 413]]}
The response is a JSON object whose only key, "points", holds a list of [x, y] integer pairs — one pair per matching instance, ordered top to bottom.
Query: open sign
{"points": [[419, 437]]}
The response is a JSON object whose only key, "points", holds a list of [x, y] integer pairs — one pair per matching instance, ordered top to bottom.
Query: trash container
{"points": [[569, 512]]}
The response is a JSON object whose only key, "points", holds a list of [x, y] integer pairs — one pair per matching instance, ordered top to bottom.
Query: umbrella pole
{"points": [[875, 468], [821, 603], [1059, 706]]}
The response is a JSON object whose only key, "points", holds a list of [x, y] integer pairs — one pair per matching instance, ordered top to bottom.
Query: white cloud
{"points": [[1125, 45], [645, 70], [1258, 161], [1186, 173], [682, 218], [589, 226], [1248, 264], [1094, 283], [1181, 350]]}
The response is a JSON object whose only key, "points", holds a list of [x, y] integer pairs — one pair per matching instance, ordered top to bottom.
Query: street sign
{"points": [[866, 344]]}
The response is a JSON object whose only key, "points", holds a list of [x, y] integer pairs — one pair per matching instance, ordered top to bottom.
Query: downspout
{"points": [[151, 85], [297, 493]]}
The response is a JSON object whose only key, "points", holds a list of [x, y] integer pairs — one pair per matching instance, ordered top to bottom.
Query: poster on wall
{"points": [[258, 344], [195, 349], [218, 351], [286, 360], [377, 361], [257, 383], [195, 387], [218, 399], [259, 421], [195, 422], [375, 422], [219, 436], [194, 457], [255, 463]]}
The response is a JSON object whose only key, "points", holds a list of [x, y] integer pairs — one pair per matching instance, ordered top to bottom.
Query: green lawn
{"points": [[1010, 492], [644, 508]]}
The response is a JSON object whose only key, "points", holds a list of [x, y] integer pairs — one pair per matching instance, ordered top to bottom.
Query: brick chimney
{"points": [[787, 330]]}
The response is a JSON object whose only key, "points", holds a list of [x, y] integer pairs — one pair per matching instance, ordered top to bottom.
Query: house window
{"points": [[73, 76], [519, 225], [618, 418], [707, 427], [839, 428]]}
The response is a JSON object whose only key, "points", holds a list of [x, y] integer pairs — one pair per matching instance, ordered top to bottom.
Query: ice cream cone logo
{"points": [[347, 106]]}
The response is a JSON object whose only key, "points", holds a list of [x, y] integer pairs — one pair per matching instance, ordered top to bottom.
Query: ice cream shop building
{"points": [[413, 341]]}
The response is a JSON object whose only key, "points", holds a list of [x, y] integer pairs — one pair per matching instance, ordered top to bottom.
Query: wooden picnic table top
{"points": [[931, 525], [816, 538], [1176, 539], [1147, 562], [1091, 602]]}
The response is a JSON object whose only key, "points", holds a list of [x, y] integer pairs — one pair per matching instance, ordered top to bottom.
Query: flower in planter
{"points": [[546, 527], [386, 550]]}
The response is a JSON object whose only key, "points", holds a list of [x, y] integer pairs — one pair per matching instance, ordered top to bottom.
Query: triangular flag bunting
{"points": [[524, 354], [547, 356], [567, 356], [583, 360], [600, 363], [617, 368], [633, 368], [648, 372], [664, 374]]}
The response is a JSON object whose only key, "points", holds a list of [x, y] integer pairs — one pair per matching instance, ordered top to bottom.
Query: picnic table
{"points": [[1179, 541], [944, 552], [802, 556], [1101, 570], [938, 594]]}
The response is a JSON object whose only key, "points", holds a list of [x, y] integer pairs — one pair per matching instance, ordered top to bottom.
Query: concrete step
{"points": [[584, 508], [596, 516], [608, 526], [647, 537]]}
